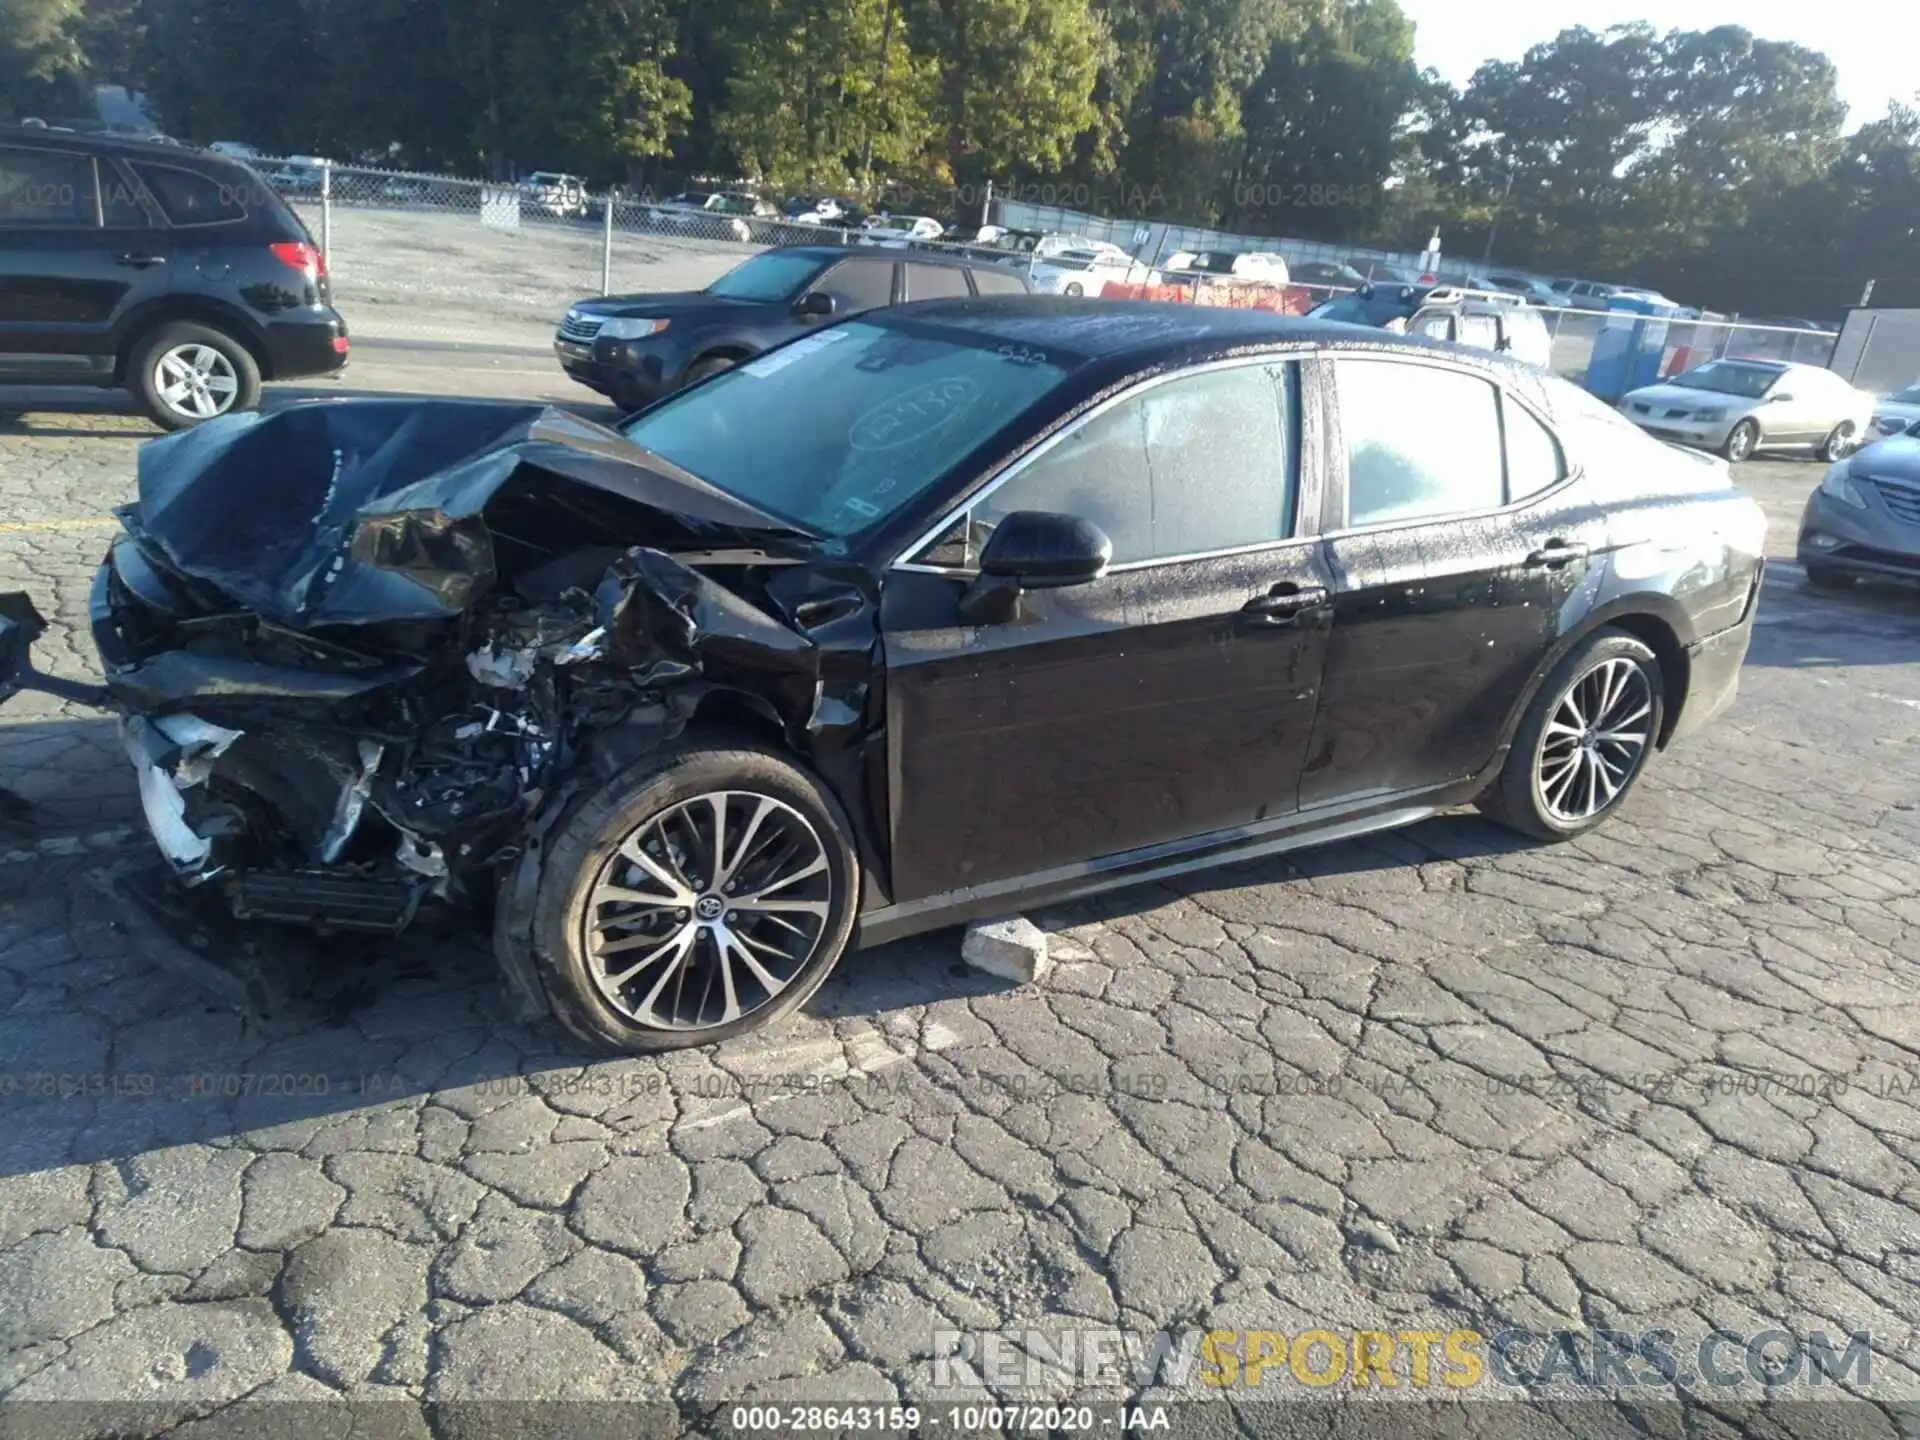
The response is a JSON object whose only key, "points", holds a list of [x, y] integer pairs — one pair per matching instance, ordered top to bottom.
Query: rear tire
{"points": [[185, 374], [1584, 741], [700, 961]]}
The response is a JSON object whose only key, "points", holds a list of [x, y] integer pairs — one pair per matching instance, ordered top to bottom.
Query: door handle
{"points": [[141, 262], [1556, 554], [1285, 603]]}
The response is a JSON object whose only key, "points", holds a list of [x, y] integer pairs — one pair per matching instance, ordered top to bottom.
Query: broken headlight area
{"points": [[356, 647], [409, 794]]}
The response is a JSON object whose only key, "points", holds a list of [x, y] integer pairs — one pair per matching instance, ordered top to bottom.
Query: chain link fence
{"points": [[443, 254]]}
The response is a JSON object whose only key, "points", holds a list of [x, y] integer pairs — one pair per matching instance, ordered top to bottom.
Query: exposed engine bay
{"points": [[358, 647]]}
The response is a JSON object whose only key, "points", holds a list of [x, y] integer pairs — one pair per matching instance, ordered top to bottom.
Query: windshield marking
{"points": [[913, 414]]}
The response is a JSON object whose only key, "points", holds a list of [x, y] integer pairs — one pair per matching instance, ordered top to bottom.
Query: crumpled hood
{"points": [[372, 511]]}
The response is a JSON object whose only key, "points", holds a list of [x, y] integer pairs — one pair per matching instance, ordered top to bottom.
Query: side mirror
{"points": [[815, 302], [1034, 550]]}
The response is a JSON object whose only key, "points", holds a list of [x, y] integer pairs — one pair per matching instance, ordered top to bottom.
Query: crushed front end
{"points": [[356, 647]]}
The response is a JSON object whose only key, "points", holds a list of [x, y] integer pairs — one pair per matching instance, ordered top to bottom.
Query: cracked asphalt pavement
{"points": [[1439, 1079]]}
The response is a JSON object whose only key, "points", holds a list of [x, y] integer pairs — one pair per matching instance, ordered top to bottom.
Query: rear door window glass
{"points": [[186, 197], [120, 200], [936, 282], [997, 282], [1422, 442]]}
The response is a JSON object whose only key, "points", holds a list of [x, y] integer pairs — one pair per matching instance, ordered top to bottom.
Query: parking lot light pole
{"points": [[326, 212], [606, 249]]}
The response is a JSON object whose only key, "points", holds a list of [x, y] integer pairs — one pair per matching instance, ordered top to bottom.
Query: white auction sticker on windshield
{"points": [[799, 350]]}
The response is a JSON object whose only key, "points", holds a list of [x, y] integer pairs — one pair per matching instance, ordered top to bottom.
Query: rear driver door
{"points": [[1455, 542]]}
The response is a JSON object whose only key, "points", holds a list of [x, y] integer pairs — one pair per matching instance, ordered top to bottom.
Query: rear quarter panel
{"points": [[1682, 541]]}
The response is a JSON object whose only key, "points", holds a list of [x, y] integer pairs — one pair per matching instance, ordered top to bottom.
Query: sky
{"points": [[1856, 35]]}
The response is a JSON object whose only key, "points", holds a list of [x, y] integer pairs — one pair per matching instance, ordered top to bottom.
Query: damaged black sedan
{"points": [[930, 615]]}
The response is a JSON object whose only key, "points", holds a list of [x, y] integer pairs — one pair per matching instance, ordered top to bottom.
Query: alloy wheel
{"points": [[196, 381], [1741, 442], [1842, 442], [1595, 742], [708, 911]]}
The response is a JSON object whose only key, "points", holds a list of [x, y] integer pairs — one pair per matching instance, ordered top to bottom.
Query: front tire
{"points": [[185, 374], [1742, 441], [1839, 444], [1584, 742], [706, 892]]}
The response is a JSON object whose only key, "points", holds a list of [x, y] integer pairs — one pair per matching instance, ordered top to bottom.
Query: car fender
{"points": [[170, 306], [1657, 618]]}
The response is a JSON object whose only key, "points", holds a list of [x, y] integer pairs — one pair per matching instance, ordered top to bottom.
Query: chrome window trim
{"points": [[1505, 395], [903, 562]]}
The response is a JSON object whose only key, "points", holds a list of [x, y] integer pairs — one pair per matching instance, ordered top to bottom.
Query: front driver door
{"points": [[1172, 698]]}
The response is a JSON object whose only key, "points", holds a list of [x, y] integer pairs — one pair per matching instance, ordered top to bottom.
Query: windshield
{"points": [[904, 222], [772, 276], [1749, 382], [1908, 396], [838, 430]]}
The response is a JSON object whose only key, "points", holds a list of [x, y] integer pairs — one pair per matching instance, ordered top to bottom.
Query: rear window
{"points": [[45, 188], [188, 197], [936, 282], [997, 282]]}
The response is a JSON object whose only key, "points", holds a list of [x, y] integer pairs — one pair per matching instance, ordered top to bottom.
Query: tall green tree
{"points": [[1016, 84], [824, 91], [1324, 123]]}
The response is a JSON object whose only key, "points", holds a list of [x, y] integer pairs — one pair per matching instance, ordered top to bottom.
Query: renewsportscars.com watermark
{"points": [[1596, 1362]]}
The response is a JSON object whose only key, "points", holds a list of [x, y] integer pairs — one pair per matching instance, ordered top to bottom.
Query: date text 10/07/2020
{"points": [[960, 1419]]}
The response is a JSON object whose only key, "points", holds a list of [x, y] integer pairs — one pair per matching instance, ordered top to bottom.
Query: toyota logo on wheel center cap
{"points": [[709, 907]]}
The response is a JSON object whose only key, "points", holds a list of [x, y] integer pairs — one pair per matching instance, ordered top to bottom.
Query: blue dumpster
{"points": [[1628, 350]]}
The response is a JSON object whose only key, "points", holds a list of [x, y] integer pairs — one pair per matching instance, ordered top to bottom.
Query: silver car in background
{"points": [[1741, 407], [1865, 517]]}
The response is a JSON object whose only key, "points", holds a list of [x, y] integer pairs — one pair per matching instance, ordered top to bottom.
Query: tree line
{"points": [[1712, 164]]}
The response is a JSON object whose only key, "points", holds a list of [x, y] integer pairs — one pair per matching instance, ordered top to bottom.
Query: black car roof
{"points": [[106, 143], [916, 257], [1150, 331], [1121, 340]]}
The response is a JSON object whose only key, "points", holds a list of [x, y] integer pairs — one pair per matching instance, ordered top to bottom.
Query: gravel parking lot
{"points": [[1660, 1077]]}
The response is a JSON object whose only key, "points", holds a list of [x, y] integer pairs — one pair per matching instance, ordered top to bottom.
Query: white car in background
{"points": [[549, 192], [897, 232], [1264, 267], [1088, 272], [1740, 407], [1897, 412]]}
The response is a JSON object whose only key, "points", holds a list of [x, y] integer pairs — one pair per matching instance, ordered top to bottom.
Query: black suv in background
{"points": [[175, 273], [636, 348]]}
